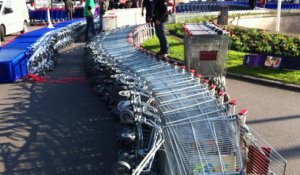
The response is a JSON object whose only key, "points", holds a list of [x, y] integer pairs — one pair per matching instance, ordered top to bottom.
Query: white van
{"points": [[14, 17]]}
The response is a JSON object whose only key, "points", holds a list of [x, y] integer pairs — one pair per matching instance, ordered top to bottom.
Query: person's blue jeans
{"points": [[101, 23], [89, 25], [161, 35]]}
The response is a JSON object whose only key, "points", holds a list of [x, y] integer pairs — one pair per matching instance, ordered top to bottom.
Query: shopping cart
{"points": [[205, 49], [172, 121], [203, 146]]}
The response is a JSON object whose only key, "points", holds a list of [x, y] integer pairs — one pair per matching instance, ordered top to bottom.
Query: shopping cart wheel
{"points": [[25, 27], [2, 33], [99, 90], [125, 94], [123, 105], [127, 117], [127, 157], [162, 162], [121, 168]]}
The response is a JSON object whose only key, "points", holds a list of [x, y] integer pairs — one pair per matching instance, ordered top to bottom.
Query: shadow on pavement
{"points": [[274, 119], [56, 128]]}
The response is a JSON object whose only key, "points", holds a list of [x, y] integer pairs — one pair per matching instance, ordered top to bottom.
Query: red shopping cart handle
{"points": [[198, 75], [206, 81], [213, 86], [222, 93], [232, 102], [243, 112]]}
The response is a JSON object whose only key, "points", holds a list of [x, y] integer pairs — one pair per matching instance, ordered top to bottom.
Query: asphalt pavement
{"points": [[274, 112], [56, 127]]}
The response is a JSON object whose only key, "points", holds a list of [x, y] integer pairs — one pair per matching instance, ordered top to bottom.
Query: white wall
{"points": [[122, 17], [289, 24]]}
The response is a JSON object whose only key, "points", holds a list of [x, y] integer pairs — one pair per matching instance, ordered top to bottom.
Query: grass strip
{"points": [[234, 63]]}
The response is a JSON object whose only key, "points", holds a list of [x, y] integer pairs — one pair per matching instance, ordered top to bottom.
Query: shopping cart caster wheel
{"points": [[114, 76], [121, 81], [123, 87], [99, 90], [125, 94], [123, 105], [127, 117], [128, 137], [126, 157], [121, 168]]}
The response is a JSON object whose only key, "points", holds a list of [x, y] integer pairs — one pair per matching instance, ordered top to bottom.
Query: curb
{"points": [[264, 81]]}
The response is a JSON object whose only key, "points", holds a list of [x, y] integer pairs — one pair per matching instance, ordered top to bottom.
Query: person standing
{"points": [[104, 4], [148, 4], [252, 4], [69, 8], [88, 13], [160, 16]]}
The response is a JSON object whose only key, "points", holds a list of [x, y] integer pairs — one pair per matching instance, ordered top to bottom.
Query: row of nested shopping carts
{"points": [[195, 6], [210, 6], [57, 14], [36, 52], [43, 54], [170, 120]]}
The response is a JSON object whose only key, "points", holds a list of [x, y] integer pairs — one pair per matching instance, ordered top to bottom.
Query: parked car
{"points": [[14, 17]]}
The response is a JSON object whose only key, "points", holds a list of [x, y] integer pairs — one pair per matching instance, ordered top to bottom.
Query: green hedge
{"points": [[254, 41], [257, 41]]}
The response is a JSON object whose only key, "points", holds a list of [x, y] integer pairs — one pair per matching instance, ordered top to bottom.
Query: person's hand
{"points": [[142, 14], [157, 22]]}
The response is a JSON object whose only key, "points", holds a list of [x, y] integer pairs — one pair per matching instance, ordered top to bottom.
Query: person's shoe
{"points": [[157, 55], [165, 55]]}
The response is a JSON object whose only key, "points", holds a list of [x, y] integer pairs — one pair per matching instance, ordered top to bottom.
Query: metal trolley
{"points": [[205, 50], [171, 121]]}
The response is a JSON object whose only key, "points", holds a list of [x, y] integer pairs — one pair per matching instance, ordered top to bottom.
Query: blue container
{"points": [[254, 60], [13, 64]]}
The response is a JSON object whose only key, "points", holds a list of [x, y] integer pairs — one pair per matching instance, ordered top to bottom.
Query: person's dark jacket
{"points": [[160, 10]]}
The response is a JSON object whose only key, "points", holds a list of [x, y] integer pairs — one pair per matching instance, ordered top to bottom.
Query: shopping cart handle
{"points": [[198, 75], [206, 81], [213, 86], [222, 93], [232, 102], [243, 112]]}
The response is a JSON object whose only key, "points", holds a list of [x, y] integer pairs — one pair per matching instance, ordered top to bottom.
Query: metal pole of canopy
{"points": [[278, 16]]}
